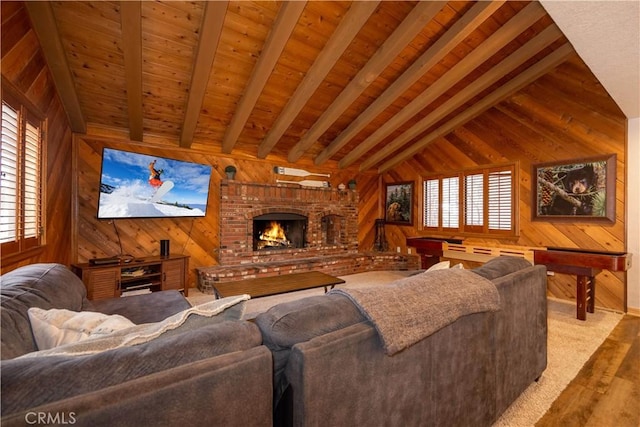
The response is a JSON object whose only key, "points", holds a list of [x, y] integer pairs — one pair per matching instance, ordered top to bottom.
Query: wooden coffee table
{"points": [[277, 284]]}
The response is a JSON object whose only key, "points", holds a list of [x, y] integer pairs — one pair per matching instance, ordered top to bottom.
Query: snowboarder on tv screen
{"points": [[154, 175]]}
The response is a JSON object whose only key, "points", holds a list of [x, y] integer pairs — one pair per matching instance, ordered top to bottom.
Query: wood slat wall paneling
{"points": [[566, 114], [196, 237]]}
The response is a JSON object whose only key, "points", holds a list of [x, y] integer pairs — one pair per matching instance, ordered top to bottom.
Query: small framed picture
{"points": [[575, 190], [399, 203]]}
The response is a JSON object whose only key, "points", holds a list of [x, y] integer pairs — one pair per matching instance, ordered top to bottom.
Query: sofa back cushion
{"points": [[501, 266], [44, 286], [289, 323], [284, 325], [28, 382]]}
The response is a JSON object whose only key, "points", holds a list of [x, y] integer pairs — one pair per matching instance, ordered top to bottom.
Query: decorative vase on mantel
{"points": [[230, 171]]}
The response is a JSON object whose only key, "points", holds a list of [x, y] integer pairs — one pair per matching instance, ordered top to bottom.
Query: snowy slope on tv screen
{"points": [[134, 185]]}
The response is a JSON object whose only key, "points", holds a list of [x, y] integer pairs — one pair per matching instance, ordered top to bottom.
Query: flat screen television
{"points": [[135, 185]]}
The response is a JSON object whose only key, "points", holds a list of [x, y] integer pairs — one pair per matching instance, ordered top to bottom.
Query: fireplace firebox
{"points": [[276, 231]]}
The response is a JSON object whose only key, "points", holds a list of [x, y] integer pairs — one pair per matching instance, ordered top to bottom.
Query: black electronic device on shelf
{"points": [[104, 261]]}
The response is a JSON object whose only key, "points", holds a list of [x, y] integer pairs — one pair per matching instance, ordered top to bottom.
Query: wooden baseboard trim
{"points": [[634, 311]]}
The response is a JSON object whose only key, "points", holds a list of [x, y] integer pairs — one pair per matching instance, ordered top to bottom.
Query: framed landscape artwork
{"points": [[575, 190], [399, 203]]}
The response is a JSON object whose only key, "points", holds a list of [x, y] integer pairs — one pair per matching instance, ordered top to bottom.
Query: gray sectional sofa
{"points": [[321, 360], [331, 367], [214, 374]]}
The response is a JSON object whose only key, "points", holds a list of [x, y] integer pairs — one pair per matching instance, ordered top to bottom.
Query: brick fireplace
{"points": [[331, 220], [321, 233]]}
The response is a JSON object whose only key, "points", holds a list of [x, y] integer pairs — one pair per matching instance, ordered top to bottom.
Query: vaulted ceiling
{"points": [[368, 84]]}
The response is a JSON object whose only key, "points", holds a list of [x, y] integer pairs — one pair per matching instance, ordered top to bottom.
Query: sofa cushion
{"points": [[442, 265], [501, 266], [44, 286], [147, 308], [230, 308], [289, 323], [55, 327], [29, 382]]}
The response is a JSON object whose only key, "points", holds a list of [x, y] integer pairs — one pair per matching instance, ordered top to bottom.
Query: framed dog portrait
{"points": [[581, 190], [399, 203]]}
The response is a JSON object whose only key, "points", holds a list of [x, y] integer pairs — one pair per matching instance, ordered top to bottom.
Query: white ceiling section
{"points": [[606, 35]]}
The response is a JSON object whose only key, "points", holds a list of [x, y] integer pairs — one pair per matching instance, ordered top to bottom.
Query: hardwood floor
{"points": [[606, 392]]}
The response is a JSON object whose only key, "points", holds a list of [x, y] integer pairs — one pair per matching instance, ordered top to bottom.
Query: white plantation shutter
{"points": [[9, 175], [20, 178], [488, 195], [31, 197], [474, 200], [500, 200], [451, 202], [431, 208]]}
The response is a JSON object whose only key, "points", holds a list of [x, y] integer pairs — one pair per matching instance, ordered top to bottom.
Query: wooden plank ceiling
{"points": [[368, 84]]}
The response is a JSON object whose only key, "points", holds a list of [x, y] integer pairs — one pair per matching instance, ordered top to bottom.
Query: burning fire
{"points": [[274, 233]]}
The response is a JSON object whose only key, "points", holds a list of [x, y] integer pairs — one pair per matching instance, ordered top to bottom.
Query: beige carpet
{"points": [[570, 343]]}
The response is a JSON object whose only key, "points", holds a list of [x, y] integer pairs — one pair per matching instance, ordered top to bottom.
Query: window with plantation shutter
{"points": [[9, 175], [20, 178], [31, 193], [474, 199], [479, 201], [451, 202], [500, 206], [431, 208]]}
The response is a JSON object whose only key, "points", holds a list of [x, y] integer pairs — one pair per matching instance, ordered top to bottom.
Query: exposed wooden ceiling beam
{"points": [[131, 21], [44, 24], [412, 25], [349, 26], [515, 26], [282, 28], [210, 30], [454, 36], [519, 57], [533, 73]]}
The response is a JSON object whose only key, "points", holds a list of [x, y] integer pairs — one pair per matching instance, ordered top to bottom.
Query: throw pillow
{"points": [[443, 265], [193, 318], [55, 327]]}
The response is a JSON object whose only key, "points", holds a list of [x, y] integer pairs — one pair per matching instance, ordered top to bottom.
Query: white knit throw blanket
{"points": [[410, 309]]}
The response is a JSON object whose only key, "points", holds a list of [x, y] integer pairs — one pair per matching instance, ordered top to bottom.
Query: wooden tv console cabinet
{"points": [[153, 273]]}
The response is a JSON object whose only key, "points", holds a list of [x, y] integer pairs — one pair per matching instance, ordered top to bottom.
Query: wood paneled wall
{"points": [[24, 68], [564, 115], [196, 237]]}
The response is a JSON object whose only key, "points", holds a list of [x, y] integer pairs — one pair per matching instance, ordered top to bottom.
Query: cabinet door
{"points": [[173, 272], [102, 283]]}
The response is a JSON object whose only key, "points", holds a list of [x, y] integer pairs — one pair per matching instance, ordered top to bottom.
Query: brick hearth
{"points": [[331, 243]]}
